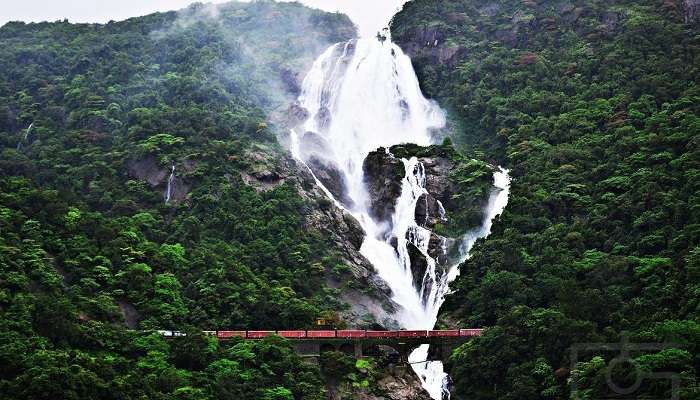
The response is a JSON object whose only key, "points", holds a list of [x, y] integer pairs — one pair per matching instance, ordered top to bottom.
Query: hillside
{"points": [[595, 109], [141, 187]]}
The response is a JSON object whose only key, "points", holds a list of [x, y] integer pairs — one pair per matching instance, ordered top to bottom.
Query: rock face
{"points": [[429, 42], [290, 79], [315, 150], [443, 168], [148, 170], [384, 173], [383, 176], [429, 211], [419, 264], [368, 297], [396, 383], [402, 387]]}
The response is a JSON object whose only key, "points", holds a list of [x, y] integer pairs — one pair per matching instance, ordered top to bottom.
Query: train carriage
{"points": [[470, 332], [444, 333], [230, 334], [259, 334], [292, 334], [320, 334], [351, 334], [382, 334], [410, 334]]}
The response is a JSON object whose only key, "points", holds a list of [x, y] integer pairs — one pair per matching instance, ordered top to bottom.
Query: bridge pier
{"points": [[307, 348], [440, 348], [358, 349], [404, 351]]}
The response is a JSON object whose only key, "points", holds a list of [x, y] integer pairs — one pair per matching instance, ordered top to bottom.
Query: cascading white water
{"points": [[361, 95], [25, 137], [171, 183], [431, 373]]}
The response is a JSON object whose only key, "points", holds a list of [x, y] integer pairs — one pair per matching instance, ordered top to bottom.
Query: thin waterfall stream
{"points": [[361, 95], [25, 136], [171, 183]]}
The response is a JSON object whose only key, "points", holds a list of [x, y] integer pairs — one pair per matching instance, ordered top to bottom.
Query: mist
{"points": [[369, 15]]}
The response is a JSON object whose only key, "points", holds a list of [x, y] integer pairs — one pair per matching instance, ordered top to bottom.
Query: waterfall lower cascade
{"points": [[359, 96], [171, 184]]}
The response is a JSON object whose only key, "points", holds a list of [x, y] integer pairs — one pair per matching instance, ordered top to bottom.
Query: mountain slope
{"points": [[593, 106], [141, 186]]}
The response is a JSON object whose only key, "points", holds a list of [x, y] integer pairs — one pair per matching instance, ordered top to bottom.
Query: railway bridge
{"points": [[312, 343]]}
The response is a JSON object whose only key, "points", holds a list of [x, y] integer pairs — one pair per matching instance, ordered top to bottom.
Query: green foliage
{"points": [[594, 108], [87, 245], [351, 377]]}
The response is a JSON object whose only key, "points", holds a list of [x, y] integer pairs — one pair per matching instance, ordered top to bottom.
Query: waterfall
{"points": [[361, 95], [25, 137], [171, 184], [431, 373]]}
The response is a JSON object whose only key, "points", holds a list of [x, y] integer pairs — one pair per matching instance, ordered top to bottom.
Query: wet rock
{"points": [[447, 53], [290, 79], [296, 114], [323, 118], [312, 143], [315, 151], [148, 170], [265, 172], [267, 176], [383, 176], [331, 177], [262, 181], [438, 184], [179, 190], [428, 212], [355, 233], [437, 248], [419, 264], [368, 297], [130, 314], [394, 382], [402, 386]]}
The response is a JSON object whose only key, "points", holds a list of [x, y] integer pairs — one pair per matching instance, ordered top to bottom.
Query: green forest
{"points": [[594, 106], [92, 119], [143, 187]]}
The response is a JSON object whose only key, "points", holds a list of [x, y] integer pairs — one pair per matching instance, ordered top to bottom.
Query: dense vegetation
{"points": [[595, 108], [92, 118]]}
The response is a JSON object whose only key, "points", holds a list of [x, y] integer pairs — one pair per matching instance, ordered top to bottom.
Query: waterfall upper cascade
{"points": [[359, 96]]}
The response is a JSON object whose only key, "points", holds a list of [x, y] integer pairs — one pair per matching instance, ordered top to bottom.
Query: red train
{"points": [[337, 334]]}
